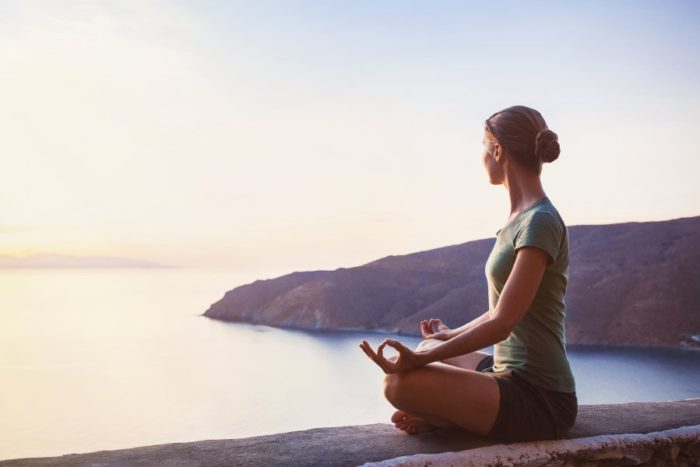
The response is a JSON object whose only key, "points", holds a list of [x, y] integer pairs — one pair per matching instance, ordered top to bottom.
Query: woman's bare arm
{"points": [[518, 293], [457, 331]]}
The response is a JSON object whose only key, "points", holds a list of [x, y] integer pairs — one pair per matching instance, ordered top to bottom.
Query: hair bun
{"points": [[547, 145]]}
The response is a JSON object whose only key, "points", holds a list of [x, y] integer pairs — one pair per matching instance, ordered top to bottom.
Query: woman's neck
{"points": [[524, 189]]}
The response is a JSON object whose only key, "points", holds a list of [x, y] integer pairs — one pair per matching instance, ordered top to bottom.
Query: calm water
{"points": [[107, 359]]}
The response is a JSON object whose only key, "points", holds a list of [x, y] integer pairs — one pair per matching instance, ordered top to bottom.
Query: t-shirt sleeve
{"points": [[541, 231]]}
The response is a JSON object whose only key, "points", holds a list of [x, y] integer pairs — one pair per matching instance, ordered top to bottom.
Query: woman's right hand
{"points": [[434, 328]]}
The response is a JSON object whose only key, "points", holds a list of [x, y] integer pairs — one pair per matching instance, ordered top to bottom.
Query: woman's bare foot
{"points": [[411, 424]]}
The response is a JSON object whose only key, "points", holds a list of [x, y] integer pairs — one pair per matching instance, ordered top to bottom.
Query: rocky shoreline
{"points": [[631, 284], [690, 342]]}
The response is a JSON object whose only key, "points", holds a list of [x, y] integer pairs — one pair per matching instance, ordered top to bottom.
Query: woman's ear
{"points": [[497, 153]]}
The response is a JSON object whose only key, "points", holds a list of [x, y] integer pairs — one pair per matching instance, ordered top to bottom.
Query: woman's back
{"points": [[535, 348]]}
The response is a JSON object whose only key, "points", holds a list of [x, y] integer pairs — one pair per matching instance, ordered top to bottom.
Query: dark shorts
{"points": [[528, 412]]}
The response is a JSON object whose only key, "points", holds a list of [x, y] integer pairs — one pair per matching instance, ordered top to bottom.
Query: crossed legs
{"points": [[444, 394]]}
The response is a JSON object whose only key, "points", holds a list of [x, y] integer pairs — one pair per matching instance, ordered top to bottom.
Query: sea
{"points": [[94, 359]]}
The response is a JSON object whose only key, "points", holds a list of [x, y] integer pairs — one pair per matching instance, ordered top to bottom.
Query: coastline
{"points": [[396, 332]]}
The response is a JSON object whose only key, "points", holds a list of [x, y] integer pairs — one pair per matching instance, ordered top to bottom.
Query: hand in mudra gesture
{"points": [[434, 328], [405, 360]]}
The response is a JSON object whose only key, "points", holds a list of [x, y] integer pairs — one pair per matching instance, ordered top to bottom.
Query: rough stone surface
{"points": [[355, 445], [677, 447]]}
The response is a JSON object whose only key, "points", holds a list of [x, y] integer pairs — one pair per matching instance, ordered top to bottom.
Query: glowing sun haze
{"points": [[295, 135]]}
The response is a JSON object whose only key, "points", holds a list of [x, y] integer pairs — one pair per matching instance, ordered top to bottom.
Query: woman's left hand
{"points": [[406, 359]]}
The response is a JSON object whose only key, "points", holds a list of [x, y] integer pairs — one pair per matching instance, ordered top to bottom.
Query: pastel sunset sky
{"points": [[297, 135]]}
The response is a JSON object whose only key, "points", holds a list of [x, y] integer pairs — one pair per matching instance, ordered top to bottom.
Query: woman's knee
{"points": [[428, 343], [390, 383], [396, 384]]}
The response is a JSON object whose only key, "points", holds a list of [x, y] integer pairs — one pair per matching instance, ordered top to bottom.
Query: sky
{"points": [[298, 135]]}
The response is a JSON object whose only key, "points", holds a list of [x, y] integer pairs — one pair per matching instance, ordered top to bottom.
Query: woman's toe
{"points": [[398, 416]]}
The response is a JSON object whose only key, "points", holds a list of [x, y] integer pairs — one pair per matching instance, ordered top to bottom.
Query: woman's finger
{"points": [[395, 344], [380, 349], [368, 350], [379, 360], [388, 365]]}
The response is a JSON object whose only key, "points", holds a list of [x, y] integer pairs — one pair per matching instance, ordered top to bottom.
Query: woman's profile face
{"points": [[493, 168]]}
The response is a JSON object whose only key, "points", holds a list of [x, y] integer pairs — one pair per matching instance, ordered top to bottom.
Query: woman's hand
{"points": [[435, 329], [406, 359]]}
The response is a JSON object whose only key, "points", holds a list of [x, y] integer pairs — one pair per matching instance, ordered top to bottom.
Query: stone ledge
{"points": [[355, 445], [678, 446]]}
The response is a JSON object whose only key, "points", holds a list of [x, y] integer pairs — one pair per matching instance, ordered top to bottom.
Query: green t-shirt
{"points": [[535, 348]]}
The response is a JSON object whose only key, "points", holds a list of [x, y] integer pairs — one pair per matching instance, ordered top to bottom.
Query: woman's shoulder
{"points": [[545, 213], [541, 217], [544, 228]]}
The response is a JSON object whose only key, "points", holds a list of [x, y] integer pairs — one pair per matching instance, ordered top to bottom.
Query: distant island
{"points": [[53, 260], [634, 283]]}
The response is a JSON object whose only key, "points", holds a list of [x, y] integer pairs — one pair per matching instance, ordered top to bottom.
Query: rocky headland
{"points": [[634, 283]]}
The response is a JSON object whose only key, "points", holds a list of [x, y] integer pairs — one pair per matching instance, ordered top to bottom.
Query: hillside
{"points": [[634, 283]]}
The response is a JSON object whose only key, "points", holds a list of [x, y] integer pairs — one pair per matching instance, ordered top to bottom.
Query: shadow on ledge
{"points": [[355, 445]]}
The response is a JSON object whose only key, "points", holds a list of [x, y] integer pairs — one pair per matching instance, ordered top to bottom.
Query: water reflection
{"points": [[112, 359]]}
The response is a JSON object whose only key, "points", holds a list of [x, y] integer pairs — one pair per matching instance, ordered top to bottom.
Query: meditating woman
{"points": [[526, 390]]}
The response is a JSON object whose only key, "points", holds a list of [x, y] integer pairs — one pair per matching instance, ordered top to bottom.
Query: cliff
{"points": [[634, 283]]}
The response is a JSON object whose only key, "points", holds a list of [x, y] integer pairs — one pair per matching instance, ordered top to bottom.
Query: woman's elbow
{"points": [[502, 329]]}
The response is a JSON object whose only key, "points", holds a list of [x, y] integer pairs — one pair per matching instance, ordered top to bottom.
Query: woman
{"points": [[526, 391]]}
